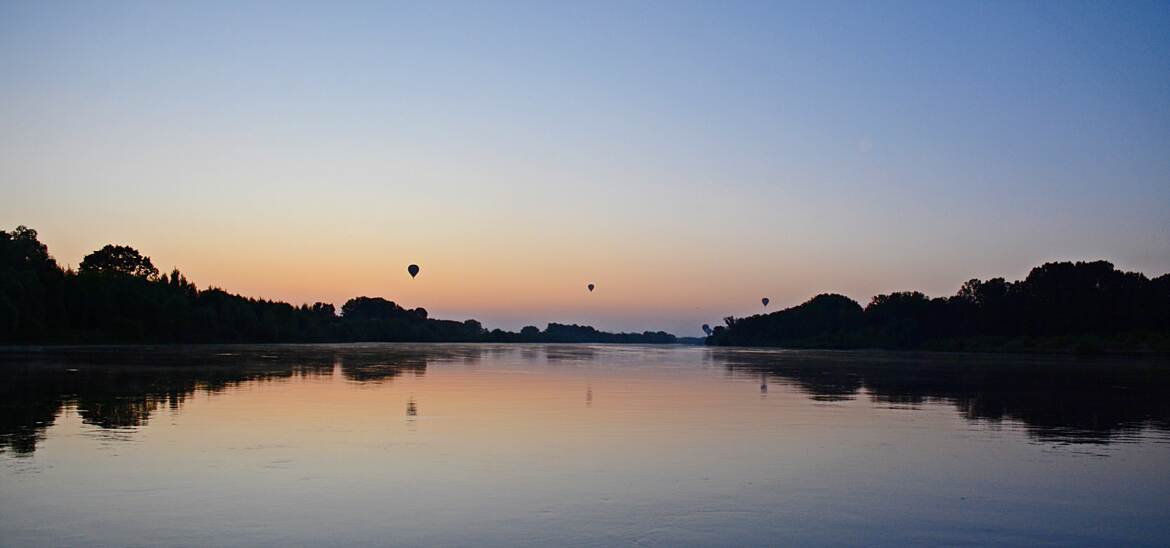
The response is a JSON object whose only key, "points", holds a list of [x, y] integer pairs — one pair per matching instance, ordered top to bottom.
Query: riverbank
{"points": [[1131, 344]]}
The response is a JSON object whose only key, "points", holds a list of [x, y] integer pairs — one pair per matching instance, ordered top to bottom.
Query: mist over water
{"points": [[596, 444]]}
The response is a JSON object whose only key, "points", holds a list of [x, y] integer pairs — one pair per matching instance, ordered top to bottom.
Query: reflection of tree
{"points": [[561, 353], [378, 363], [380, 368], [830, 385], [121, 388], [1056, 399], [25, 413], [117, 413]]}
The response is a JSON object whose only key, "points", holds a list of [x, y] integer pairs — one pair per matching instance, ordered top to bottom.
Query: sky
{"points": [[687, 158]]}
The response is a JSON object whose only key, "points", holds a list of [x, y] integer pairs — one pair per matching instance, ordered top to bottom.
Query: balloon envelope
{"points": [[413, 270], [590, 286], [765, 301], [706, 329]]}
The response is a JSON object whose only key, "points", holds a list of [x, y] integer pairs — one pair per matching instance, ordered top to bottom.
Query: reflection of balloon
{"points": [[413, 270], [590, 286], [765, 301], [707, 329]]}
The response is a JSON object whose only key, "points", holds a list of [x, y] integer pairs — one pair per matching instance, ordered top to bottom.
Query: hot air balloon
{"points": [[413, 270], [590, 286], [765, 301], [707, 329]]}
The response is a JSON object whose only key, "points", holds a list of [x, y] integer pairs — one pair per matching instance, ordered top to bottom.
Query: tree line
{"points": [[117, 295], [1078, 306]]}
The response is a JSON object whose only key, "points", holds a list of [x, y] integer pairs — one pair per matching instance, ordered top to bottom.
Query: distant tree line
{"points": [[118, 296], [1081, 306], [573, 333]]}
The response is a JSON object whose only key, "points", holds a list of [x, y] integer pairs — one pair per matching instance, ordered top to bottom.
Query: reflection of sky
{"points": [[687, 159], [503, 450]]}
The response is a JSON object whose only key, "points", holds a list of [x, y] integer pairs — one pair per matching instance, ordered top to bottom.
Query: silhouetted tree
{"points": [[118, 259], [31, 287], [118, 296], [1064, 305], [371, 308], [323, 309], [825, 320], [473, 327]]}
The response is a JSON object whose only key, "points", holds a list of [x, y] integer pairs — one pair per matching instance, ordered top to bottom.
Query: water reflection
{"points": [[570, 353], [122, 387], [1058, 399], [1064, 400], [493, 445]]}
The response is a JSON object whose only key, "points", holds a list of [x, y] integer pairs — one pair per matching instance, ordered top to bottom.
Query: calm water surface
{"points": [[577, 445]]}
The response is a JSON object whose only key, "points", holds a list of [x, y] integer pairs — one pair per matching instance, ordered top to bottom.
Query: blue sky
{"points": [[687, 157]]}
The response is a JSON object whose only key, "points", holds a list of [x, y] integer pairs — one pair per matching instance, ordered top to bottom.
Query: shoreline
{"points": [[1108, 352]]}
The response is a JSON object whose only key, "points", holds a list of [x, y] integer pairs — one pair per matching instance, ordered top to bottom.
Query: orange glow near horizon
{"points": [[506, 284], [509, 285]]}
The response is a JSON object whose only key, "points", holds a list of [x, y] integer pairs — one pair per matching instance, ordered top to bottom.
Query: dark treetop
{"points": [[118, 296], [1083, 306]]}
